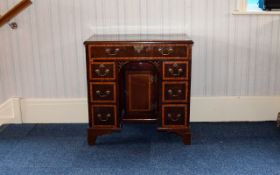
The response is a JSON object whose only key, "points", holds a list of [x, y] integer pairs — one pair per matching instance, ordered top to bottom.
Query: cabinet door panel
{"points": [[140, 88], [139, 91]]}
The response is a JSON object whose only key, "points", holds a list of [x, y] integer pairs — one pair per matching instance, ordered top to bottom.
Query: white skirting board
{"points": [[203, 109], [54, 110], [10, 111]]}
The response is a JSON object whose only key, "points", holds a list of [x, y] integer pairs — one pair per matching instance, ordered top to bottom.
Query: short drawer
{"points": [[102, 70], [175, 70], [101, 92], [174, 92], [104, 115], [174, 115]]}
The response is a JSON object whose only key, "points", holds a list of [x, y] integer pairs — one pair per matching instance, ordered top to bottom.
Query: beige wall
{"points": [[44, 58]]}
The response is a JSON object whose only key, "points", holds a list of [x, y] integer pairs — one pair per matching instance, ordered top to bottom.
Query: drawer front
{"points": [[138, 50], [109, 51], [170, 51], [175, 70], [102, 71], [101, 92], [175, 92], [104, 115], [174, 115]]}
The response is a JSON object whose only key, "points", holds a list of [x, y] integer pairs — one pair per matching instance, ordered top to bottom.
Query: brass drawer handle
{"points": [[166, 51], [112, 52], [173, 71], [102, 73], [171, 93], [103, 95], [104, 118], [174, 118]]}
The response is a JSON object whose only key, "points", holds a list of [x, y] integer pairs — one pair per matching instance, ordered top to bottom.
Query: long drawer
{"points": [[143, 50]]}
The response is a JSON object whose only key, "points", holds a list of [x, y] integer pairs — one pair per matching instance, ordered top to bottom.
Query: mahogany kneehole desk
{"points": [[138, 78]]}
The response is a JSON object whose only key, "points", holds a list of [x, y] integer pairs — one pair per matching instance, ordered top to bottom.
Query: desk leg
{"points": [[278, 120], [93, 133], [185, 133], [91, 137], [186, 138]]}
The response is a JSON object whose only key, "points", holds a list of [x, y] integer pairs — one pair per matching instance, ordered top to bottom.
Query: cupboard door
{"points": [[140, 89]]}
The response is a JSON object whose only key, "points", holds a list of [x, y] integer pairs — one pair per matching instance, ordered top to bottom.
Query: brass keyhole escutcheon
{"points": [[138, 48]]}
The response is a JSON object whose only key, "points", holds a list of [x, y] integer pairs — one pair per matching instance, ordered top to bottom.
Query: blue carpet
{"points": [[217, 148]]}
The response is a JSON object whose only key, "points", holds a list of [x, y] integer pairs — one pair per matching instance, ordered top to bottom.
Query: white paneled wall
{"points": [[233, 55]]}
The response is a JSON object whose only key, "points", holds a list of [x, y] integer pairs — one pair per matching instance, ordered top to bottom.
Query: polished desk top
{"points": [[143, 38]]}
